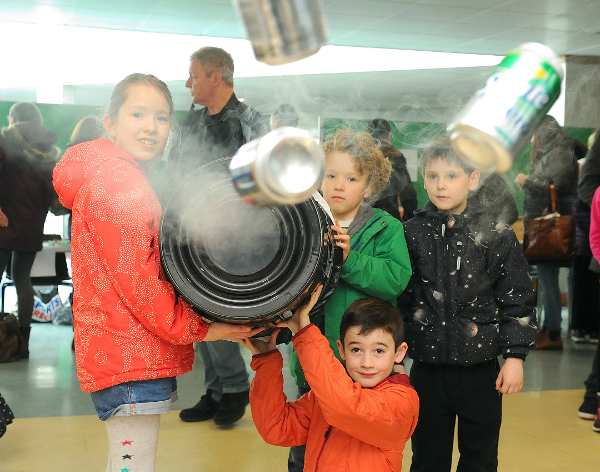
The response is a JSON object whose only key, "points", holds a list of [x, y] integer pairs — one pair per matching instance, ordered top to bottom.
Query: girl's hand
{"points": [[342, 239], [301, 319], [217, 331], [256, 346]]}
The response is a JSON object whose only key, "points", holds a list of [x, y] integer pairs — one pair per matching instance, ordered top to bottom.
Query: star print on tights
{"points": [[127, 456]]}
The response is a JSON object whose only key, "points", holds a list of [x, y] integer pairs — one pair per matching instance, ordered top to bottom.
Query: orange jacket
{"points": [[129, 323], [345, 427]]}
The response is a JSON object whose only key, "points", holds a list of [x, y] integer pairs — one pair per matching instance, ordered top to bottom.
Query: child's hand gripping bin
{"points": [[328, 283], [353, 419]]}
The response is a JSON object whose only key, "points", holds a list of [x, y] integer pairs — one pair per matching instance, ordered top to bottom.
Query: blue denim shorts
{"points": [[142, 397]]}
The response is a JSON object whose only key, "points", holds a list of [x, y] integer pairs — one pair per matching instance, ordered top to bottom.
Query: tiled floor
{"points": [[56, 429]]}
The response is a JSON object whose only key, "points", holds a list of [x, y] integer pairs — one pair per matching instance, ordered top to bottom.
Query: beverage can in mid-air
{"points": [[498, 121]]}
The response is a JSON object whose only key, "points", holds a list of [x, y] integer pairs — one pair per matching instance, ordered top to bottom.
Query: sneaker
{"points": [[578, 336], [593, 338], [232, 408], [588, 409], [204, 410], [596, 425]]}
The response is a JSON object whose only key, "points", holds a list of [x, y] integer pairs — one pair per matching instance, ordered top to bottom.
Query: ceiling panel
{"points": [[466, 26]]}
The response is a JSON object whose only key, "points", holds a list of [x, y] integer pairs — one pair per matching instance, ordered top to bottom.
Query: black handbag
{"points": [[550, 238]]}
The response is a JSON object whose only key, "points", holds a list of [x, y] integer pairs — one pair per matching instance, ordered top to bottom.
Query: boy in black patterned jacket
{"points": [[469, 300]]}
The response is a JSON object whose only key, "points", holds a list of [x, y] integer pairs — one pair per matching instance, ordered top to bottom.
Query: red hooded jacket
{"points": [[129, 323], [345, 427]]}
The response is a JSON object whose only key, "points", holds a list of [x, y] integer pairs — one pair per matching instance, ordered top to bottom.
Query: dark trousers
{"points": [[20, 273], [585, 296], [592, 384], [592, 390], [447, 392], [296, 456]]}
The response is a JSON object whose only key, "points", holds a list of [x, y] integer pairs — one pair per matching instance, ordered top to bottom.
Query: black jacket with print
{"points": [[470, 297]]}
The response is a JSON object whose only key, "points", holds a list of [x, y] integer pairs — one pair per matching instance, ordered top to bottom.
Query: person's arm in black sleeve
{"points": [[589, 177]]}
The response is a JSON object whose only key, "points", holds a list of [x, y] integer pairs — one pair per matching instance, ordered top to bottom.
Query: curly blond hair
{"points": [[367, 156]]}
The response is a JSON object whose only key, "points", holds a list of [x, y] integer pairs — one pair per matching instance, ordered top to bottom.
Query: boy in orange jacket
{"points": [[353, 419]]}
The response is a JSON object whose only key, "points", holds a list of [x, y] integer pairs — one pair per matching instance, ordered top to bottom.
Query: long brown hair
{"points": [[119, 93]]}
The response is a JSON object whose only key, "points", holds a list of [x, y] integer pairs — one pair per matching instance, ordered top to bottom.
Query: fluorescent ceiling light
{"points": [[86, 56]]}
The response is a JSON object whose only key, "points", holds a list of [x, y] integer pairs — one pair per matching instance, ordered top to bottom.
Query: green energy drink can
{"points": [[498, 121]]}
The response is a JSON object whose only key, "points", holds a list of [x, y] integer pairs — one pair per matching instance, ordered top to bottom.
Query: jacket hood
{"points": [[31, 140], [81, 162]]}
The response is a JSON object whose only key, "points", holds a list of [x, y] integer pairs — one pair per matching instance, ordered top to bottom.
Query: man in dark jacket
{"points": [[223, 124], [216, 130], [27, 158], [399, 199]]}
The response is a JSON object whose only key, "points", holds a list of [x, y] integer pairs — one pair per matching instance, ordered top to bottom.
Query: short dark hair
{"points": [[213, 60], [25, 112], [285, 115], [378, 128], [441, 147], [371, 314]]}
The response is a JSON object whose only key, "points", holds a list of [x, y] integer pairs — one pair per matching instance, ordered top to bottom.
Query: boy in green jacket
{"points": [[376, 260]]}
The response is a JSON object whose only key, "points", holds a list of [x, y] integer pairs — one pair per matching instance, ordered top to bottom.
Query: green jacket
{"points": [[378, 265]]}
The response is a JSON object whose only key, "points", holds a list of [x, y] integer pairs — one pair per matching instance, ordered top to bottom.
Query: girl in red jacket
{"points": [[133, 335]]}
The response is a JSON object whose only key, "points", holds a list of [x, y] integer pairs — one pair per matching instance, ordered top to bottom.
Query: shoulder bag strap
{"points": [[555, 207]]}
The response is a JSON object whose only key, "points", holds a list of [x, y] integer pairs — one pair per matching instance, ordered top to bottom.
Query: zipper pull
{"points": [[443, 229], [458, 263]]}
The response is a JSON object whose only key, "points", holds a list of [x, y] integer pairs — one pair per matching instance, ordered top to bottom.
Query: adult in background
{"points": [[284, 115], [223, 124], [86, 129], [216, 130], [27, 158], [553, 161], [589, 181], [494, 195], [399, 199], [585, 317]]}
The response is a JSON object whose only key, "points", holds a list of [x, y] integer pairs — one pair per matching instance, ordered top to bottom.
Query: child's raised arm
{"points": [[301, 319]]}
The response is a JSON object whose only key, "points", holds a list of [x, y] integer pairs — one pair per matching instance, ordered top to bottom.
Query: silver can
{"points": [[283, 31], [497, 123], [285, 166]]}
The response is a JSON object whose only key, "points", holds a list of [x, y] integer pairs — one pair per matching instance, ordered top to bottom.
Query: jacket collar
{"points": [[229, 108], [365, 213]]}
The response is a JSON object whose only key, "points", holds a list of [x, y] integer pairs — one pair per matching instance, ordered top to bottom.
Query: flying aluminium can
{"points": [[497, 123], [283, 167]]}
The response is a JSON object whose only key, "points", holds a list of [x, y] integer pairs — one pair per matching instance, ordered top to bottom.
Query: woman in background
{"points": [[27, 157], [553, 161]]}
